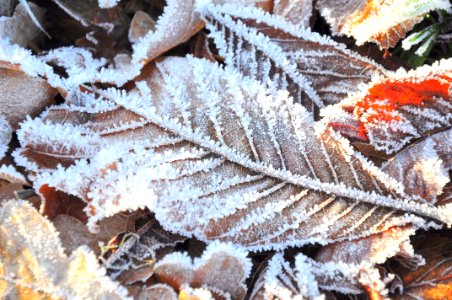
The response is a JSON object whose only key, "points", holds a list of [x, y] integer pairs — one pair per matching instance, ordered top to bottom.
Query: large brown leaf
{"points": [[384, 22], [314, 69], [217, 156]]}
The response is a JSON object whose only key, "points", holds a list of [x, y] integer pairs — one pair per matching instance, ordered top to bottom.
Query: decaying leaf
{"points": [[298, 12], [384, 22], [20, 28], [314, 69], [22, 95], [391, 112], [215, 155], [424, 168], [73, 233], [139, 251], [31, 257], [221, 268], [434, 279]]}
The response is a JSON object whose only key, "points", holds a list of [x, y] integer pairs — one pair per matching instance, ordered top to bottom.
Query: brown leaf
{"points": [[298, 12], [381, 22], [141, 24], [20, 28], [315, 70], [22, 95], [390, 112], [424, 168], [262, 173], [11, 182], [74, 233], [367, 253], [221, 267], [434, 279], [157, 292]]}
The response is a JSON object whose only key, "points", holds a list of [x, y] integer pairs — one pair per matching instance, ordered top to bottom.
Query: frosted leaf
{"points": [[265, 5], [297, 12], [381, 22], [141, 24], [176, 25], [20, 28], [314, 69], [22, 95], [390, 112], [5, 136], [215, 155], [424, 168], [10, 174], [11, 182], [73, 233], [139, 249], [375, 249], [365, 254], [32, 257], [221, 266], [434, 279], [280, 281], [158, 291]]}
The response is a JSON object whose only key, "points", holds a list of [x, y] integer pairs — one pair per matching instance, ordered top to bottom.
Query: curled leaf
{"points": [[168, 33], [221, 267]]}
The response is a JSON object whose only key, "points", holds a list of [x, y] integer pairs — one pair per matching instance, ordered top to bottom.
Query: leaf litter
{"points": [[277, 154]]}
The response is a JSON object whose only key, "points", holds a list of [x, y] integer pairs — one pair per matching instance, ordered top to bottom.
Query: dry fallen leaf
{"points": [[298, 12], [383, 22], [20, 28], [315, 70], [22, 95], [391, 112], [424, 167], [266, 189], [31, 257], [222, 267], [434, 279]]}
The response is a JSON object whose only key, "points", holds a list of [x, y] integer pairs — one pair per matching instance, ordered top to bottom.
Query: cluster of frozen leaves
{"points": [[220, 149]]}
